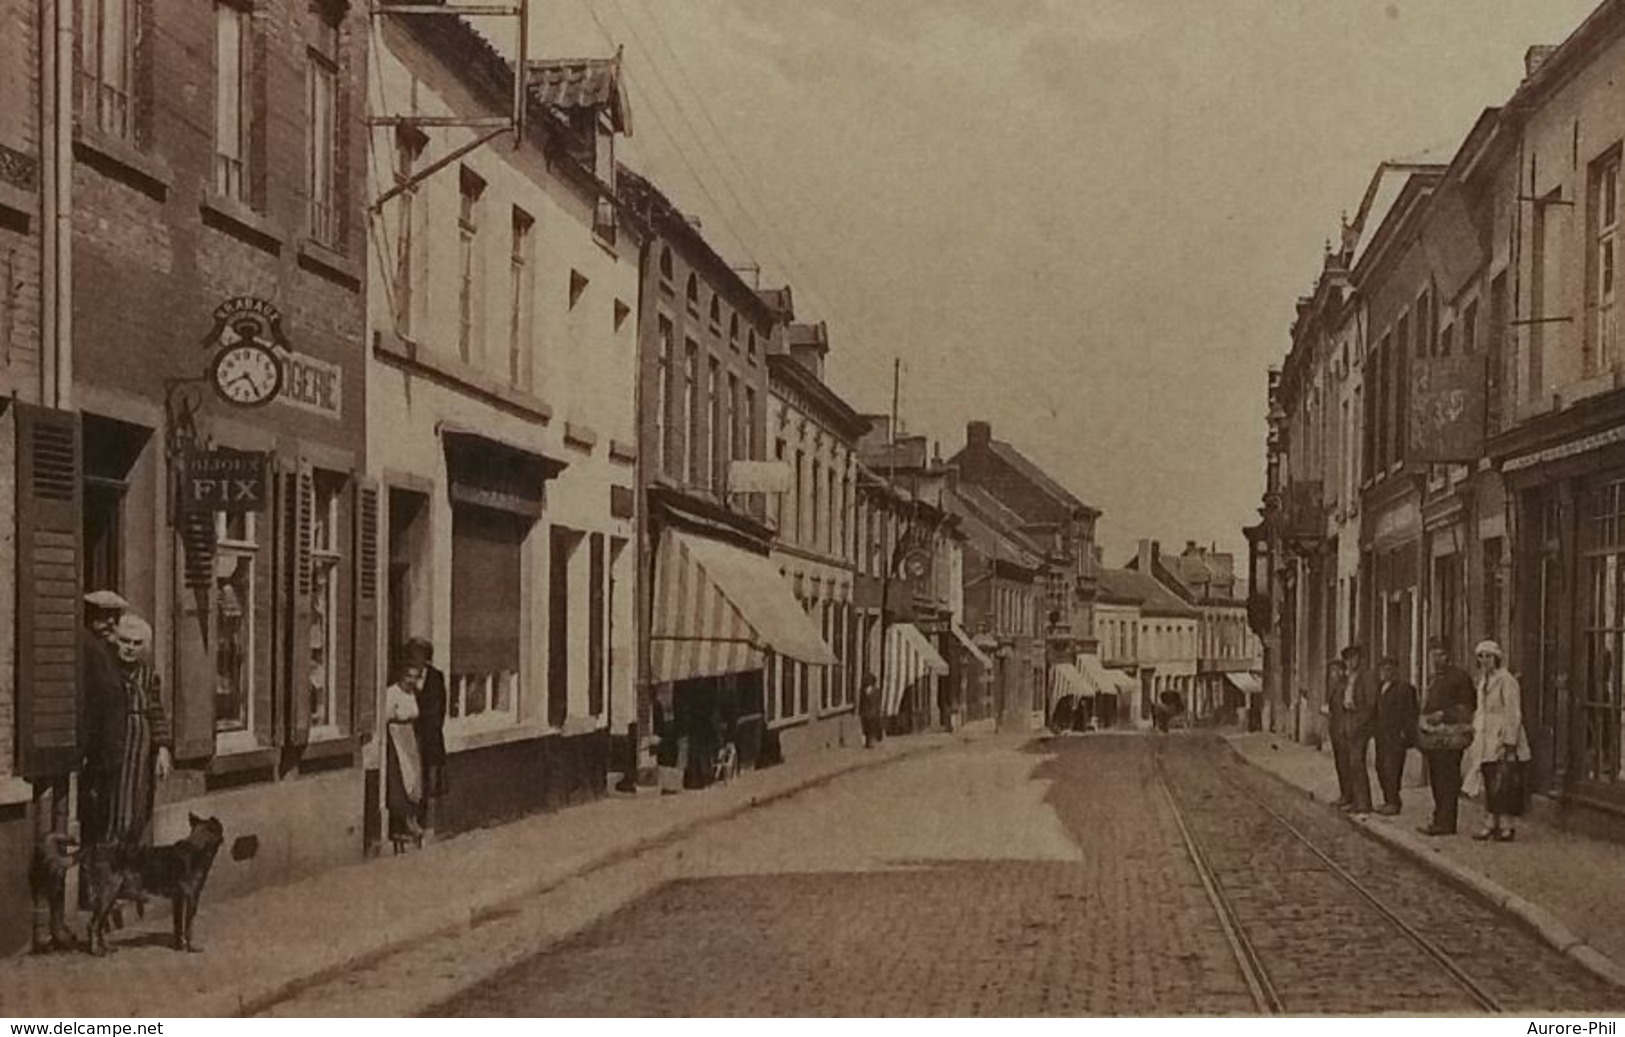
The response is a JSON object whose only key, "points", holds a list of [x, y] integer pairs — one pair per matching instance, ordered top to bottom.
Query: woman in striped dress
{"points": [[144, 756]]}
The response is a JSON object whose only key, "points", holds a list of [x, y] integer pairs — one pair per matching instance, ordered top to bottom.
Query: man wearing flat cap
{"points": [[101, 695], [1359, 716], [1443, 733]]}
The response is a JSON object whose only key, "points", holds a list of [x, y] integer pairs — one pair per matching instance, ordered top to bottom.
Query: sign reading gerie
{"points": [[224, 480]]}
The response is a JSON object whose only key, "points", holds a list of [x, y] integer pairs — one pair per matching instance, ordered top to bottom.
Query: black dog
{"points": [[134, 873]]}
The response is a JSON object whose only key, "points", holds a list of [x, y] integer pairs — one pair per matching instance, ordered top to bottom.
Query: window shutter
{"points": [[301, 507], [49, 563], [596, 628], [365, 685]]}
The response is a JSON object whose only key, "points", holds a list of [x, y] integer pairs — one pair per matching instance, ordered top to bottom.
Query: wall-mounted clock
{"points": [[247, 374]]}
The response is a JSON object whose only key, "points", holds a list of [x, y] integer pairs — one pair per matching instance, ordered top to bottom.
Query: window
{"points": [[104, 65], [231, 99], [322, 134], [411, 244], [468, 263], [665, 268], [693, 295], [716, 315], [1469, 330], [733, 331], [1602, 335], [750, 339], [520, 366], [667, 400], [736, 420], [718, 425], [747, 448], [779, 455], [695, 475], [800, 488], [831, 502], [813, 513], [486, 563], [232, 622], [323, 640], [1604, 687]]}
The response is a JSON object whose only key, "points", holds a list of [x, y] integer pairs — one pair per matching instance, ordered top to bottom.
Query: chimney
{"points": [[1535, 57], [809, 345], [879, 427], [978, 434], [950, 475], [1190, 547], [1148, 551]]}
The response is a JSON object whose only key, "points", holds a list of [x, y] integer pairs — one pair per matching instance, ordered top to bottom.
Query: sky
{"points": [[1084, 221]]}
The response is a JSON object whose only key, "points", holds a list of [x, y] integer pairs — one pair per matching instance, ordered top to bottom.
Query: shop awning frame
{"points": [[720, 609], [966, 643], [910, 657]]}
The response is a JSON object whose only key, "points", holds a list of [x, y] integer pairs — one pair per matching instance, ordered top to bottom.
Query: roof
{"points": [[575, 84], [780, 300], [810, 335], [786, 369], [908, 452], [1037, 476], [988, 534], [1131, 587]]}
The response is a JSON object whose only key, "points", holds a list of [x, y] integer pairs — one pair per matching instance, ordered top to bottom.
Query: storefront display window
{"points": [[1604, 567], [232, 621]]}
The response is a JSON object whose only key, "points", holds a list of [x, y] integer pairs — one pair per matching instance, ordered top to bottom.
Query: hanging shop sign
{"points": [[247, 335], [224, 480]]}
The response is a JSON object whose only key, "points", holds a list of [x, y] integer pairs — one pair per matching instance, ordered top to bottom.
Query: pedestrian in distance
{"points": [[1337, 679], [869, 710], [1396, 716], [1359, 718], [1444, 732], [1500, 742], [671, 755], [403, 788]]}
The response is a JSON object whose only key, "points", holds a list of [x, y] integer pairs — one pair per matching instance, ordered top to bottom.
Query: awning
{"points": [[720, 609], [970, 646], [910, 657], [1097, 674], [1066, 679], [1245, 682], [1126, 685]]}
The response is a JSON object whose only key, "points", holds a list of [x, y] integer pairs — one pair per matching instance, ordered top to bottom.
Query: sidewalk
{"points": [[1567, 887], [261, 946]]}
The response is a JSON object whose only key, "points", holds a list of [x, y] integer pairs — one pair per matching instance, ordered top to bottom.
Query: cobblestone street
{"points": [[999, 878]]}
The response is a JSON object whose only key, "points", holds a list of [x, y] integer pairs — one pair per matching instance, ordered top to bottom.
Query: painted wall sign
{"points": [[312, 385], [224, 480]]}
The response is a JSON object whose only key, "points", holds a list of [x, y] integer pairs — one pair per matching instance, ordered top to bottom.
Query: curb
{"points": [[464, 916], [1546, 925]]}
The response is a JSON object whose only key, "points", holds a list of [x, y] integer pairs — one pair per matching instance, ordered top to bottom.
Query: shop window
{"points": [[486, 566], [232, 627], [322, 640], [1603, 694]]}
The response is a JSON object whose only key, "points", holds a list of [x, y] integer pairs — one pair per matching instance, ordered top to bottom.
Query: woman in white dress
{"points": [[1499, 741], [403, 794]]}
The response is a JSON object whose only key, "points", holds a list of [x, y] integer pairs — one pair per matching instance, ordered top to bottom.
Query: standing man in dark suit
{"points": [[1336, 684], [1447, 718], [1359, 719], [430, 724], [1396, 731]]}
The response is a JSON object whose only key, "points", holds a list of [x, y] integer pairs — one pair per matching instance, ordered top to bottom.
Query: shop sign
{"points": [[313, 385], [1447, 409], [224, 480]]}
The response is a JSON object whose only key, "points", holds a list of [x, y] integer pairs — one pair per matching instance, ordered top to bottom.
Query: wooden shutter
{"points": [[298, 526], [49, 563], [558, 628], [596, 628], [365, 683]]}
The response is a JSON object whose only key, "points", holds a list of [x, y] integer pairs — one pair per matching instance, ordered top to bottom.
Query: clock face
{"points": [[247, 375]]}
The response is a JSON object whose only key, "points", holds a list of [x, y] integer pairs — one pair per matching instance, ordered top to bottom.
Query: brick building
{"points": [[216, 215]]}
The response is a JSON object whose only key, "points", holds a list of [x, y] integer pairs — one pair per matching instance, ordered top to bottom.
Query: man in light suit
{"points": [[1359, 716]]}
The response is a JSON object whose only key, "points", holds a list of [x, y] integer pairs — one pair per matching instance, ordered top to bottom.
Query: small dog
{"points": [[726, 765], [53, 858], [133, 873]]}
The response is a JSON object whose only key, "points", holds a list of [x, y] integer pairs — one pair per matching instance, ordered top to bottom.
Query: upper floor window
{"points": [[104, 64], [231, 99], [322, 129], [470, 188], [665, 266], [693, 295], [519, 296], [716, 315], [733, 331], [751, 344], [1601, 344]]}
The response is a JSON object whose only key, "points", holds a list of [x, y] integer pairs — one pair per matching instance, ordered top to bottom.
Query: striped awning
{"points": [[720, 609], [970, 646], [910, 658], [1096, 674], [1066, 679], [1246, 682], [1126, 685]]}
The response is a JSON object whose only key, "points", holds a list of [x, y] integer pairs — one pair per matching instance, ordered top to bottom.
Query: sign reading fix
{"points": [[224, 480]]}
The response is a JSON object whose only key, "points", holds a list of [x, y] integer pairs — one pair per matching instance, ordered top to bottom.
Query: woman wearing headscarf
{"points": [[1499, 741], [129, 744], [403, 789]]}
